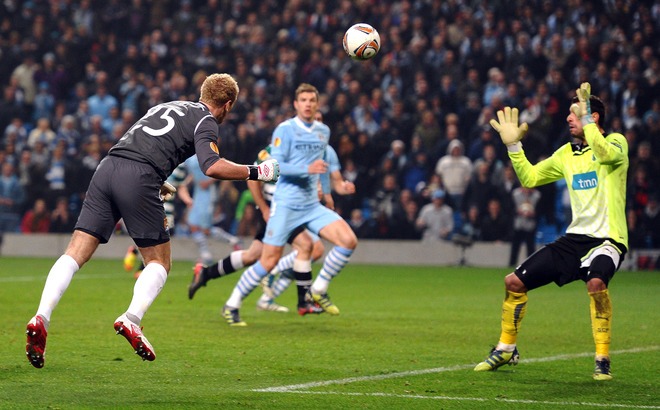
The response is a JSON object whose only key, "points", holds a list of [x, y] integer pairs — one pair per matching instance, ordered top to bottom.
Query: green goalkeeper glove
{"points": [[582, 109], [508, 128]]}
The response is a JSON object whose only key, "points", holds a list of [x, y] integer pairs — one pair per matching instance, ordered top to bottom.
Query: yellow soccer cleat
{"points": [[323, 300], [232, 317], [497, 359], [602, 370]]}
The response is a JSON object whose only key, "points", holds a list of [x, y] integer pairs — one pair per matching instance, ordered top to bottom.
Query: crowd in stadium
{"points": [[410, 126]]}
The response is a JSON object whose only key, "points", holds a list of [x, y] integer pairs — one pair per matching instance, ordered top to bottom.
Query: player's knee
{"points": [[349, 240], [268, 261], [601, 270], [514, 284], [595, 285]]}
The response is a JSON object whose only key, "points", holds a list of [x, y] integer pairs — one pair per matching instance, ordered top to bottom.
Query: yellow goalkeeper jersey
{"points": [[596, 177]]}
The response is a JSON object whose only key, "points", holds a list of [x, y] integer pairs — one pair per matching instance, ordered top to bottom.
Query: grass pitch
{"points": [[407, 338]]}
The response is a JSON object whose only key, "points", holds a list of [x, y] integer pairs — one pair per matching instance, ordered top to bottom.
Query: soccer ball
{"points": [[361, 41]]}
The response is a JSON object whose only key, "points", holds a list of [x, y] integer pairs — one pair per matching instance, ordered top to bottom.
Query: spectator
{"points": [[44, 103], [100, 103], [42, 133], [69, 134], [456, 171], [480, 190], [12, 196], [386, 198], [37, 219], [436, 219], [61, 220], [650, 221], [524, 222], [404, 223], [495, 225], [471, 226], [363, 228]]}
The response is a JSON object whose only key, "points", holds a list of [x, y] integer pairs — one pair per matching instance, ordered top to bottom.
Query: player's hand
{"points": [[582, 109], [510, 132], [318, 167], [268, 170], [347, 188], [167, 191]]}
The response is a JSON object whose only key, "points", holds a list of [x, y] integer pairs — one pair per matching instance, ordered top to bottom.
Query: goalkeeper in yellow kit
{"points": [[595, 167]]}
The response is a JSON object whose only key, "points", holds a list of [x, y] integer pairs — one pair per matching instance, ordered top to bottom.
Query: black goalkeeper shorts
{"points": [[122, 188], [570, 258]]}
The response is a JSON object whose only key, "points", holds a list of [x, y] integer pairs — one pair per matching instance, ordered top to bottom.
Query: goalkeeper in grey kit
{"points": [[129, 184]]}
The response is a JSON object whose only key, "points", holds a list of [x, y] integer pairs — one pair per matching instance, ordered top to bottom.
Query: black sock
{"points": [[215, 271], [303, 282]]}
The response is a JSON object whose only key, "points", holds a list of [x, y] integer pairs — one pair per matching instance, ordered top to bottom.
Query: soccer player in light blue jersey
{"points": [[299, 145], [281, 277]]}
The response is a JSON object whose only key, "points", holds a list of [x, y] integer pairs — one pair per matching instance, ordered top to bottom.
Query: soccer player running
{"points": [[298, 144], [595, 168], [128, 184], [299, 239], [281, 277]]}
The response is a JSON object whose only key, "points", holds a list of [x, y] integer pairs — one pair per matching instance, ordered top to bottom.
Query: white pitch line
{"points": [[348, 380], [563, 404]]}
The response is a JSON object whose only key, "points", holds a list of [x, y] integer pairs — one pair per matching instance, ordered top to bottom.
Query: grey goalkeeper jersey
{"points": [[168, 134]]}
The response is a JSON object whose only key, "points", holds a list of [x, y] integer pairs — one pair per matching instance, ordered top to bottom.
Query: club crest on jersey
{"points": [[321, 137], [277, 142], [214, 148], [263, 155], [588, 180]]}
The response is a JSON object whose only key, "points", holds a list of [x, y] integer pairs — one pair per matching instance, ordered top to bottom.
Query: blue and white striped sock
{"points": [[285, 262], [334, 262], [282, 283], [246, 284]]}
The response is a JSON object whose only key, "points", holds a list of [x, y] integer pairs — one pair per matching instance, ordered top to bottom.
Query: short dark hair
{"points": [[597, 105]]}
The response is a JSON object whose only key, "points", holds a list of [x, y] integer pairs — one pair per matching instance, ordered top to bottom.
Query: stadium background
{"points": [[91, 68]]}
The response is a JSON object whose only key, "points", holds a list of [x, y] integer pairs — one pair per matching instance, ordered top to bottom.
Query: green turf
{"points": [[407, 338]]}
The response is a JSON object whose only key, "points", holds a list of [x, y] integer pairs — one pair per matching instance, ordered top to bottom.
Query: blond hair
{"points": [[306, 88], [217, 89]]}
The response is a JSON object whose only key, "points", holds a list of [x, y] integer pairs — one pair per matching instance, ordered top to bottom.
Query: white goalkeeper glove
{"points": [[582, 108], [510, 132], [268, 170], [167, 191]]}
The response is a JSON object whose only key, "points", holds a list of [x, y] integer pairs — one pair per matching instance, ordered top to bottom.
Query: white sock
{"points": [[236, 259], [57, 282], [146, 288], [235, 300], [505, 347]]}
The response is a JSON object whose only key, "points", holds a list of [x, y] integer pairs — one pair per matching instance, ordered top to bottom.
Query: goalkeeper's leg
{"points": [[601, 270], [514, 308]]}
